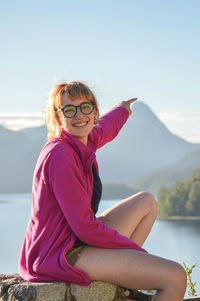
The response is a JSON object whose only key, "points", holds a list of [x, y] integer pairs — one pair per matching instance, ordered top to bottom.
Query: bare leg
{"points": [[132, 217], [135, 270]]}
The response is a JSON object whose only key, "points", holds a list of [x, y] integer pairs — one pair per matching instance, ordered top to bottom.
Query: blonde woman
{"points": [[65, 240]]}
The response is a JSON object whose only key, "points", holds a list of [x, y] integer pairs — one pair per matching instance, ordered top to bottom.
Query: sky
{"points": [[148, 49]]}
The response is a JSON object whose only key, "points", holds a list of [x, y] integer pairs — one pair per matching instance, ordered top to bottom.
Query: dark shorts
{"points": [[73, 254]]}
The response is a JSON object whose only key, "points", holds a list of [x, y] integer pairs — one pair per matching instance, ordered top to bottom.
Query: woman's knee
{"points": [[149, 201], [181, 275], [178, 278]]}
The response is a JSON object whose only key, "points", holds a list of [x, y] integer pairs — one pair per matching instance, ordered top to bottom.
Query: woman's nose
{"points": [[79, 113]]}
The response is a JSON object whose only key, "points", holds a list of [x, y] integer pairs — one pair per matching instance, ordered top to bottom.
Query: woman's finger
{"points": [[131, 100]]}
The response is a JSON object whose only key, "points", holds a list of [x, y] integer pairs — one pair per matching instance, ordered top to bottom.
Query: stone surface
{"points": [[14, 288], [100, 291]]}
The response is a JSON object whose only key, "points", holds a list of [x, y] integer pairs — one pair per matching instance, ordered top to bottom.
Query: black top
{"points": [[96, 197]]}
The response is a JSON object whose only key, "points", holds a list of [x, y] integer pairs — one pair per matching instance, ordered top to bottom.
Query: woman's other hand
{"points": [[127, 103]]}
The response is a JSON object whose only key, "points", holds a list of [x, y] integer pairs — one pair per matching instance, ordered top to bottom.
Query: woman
{"points": [[64, 240]]}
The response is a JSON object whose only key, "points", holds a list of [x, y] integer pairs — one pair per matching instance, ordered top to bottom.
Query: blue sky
{"points": [[120, 48]]}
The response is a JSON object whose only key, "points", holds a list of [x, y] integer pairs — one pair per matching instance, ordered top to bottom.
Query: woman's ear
{"points": [[96, 116], [57, 117]]}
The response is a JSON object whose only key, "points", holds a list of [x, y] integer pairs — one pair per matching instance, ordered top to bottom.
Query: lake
{"points": [[175, 240]]}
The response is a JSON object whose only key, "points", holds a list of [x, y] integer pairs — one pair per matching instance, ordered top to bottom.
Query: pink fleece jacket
{"points": [[61, 205]]}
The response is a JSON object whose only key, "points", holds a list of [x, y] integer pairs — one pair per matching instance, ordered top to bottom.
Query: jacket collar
{"points": [[86, 153]]}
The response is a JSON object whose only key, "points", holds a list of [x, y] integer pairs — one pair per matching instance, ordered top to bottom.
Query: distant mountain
{"points": [[36, 134], [143, 146], [16, 162], [168, 176], [116, 191]]}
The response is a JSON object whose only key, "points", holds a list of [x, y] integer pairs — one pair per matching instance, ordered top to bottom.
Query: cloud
{"points": [[179, 117], [19, 120], [183, 124]]}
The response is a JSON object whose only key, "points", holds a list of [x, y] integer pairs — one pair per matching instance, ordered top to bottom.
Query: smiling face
{"points": [[80, 125]]}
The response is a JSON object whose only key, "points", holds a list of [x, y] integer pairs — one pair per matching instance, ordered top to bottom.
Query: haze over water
{"points": [[175, 240]]}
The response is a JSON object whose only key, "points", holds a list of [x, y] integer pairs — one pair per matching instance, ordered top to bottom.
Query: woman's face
{"points": [[80, 125]]}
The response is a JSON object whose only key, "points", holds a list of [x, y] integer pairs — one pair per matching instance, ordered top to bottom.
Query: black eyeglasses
{"points": [[70, 111]]}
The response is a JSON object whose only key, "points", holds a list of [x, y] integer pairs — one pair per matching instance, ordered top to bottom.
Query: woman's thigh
{"points": [[127, 214], [129, 268]]}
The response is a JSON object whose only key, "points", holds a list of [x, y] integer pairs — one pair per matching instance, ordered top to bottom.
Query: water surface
{"points": [[175, 240]]}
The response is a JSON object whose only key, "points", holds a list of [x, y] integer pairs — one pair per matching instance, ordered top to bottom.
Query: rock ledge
{"points": [[14, 288]]}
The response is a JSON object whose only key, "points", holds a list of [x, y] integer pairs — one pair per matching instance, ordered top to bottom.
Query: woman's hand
{"points": [[126, 104]]}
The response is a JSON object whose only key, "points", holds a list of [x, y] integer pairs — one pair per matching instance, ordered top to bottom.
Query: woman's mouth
{"points": [[80, 124]]}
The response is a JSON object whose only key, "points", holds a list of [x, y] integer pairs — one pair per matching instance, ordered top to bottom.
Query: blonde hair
{"points": [[73, 90]]}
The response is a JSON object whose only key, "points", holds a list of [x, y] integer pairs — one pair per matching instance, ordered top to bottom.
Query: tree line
{"points": [[182, 200]]}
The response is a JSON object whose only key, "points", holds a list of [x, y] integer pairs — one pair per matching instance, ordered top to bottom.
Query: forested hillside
{"points": [[182, 200]]}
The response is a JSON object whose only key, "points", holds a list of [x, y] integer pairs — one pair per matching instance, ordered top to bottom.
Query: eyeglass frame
{"points": [[62, 109]]}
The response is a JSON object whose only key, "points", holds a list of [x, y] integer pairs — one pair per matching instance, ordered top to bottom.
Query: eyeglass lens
{"points": [[71, 110]]}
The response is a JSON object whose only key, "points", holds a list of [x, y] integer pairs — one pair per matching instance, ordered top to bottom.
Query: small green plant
{"points": [[190, 284]]}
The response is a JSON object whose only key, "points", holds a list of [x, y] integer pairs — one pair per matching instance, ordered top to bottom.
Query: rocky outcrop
{"points": [[14, 288]]}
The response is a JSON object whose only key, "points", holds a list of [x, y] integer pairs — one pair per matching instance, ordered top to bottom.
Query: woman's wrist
{"points": [[126, 104]]}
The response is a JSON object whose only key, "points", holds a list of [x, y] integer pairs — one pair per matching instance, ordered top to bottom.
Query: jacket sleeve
{"points": [[109, 125], [69, 189]]}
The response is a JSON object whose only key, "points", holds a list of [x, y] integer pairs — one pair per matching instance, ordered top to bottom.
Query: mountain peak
{"points": [[142, 112]]}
